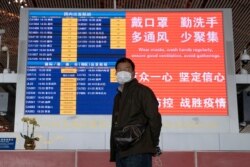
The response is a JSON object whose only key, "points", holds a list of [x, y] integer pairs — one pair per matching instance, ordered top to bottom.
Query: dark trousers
{"points": [[137, 160]]}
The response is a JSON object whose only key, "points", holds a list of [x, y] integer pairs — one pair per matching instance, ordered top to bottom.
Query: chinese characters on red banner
{"points": [[180, 55]]}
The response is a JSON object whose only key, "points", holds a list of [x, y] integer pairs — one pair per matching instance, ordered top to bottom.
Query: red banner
{"points": [[180, 55]]}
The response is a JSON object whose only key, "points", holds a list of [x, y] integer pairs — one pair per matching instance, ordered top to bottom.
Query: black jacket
{"points": [[136, 104]]}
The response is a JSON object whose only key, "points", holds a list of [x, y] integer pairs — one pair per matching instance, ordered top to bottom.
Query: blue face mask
{"points": [[123, 77]]}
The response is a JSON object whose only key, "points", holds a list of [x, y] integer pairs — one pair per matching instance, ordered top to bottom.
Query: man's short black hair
{"points": [[124, 60]]}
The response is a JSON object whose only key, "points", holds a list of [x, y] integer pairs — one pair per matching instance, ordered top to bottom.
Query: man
{"points": [[134, 104]]}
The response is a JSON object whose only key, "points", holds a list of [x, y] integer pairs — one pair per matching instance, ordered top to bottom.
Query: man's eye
{"points": [[123, 69]]}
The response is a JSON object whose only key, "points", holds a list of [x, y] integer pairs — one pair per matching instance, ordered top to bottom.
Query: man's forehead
{"points": [[124, 64]]}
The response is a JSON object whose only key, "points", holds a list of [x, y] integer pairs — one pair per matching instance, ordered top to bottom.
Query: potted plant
{"points": [[29, 137]]}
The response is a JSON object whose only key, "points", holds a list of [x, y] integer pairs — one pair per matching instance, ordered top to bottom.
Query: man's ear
{"points": [[133, 74]]}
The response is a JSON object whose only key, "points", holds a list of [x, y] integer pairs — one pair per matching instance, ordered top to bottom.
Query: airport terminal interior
{"points": [[216, 136]]}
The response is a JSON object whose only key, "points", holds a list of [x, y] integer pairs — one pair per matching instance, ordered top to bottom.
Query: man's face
{"points": [[125, 66]]}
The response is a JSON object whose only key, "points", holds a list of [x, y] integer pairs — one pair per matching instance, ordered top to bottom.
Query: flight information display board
{"points": [[71, 57]]}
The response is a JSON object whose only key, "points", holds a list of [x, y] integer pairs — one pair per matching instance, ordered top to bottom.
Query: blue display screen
{"points": [[70, 61], [7, 143]]}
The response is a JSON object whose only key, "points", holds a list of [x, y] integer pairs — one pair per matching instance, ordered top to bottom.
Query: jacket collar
{"points": [[128, 84]]}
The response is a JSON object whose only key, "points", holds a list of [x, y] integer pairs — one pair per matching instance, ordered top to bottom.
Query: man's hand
{"points": [[158, 151]]}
